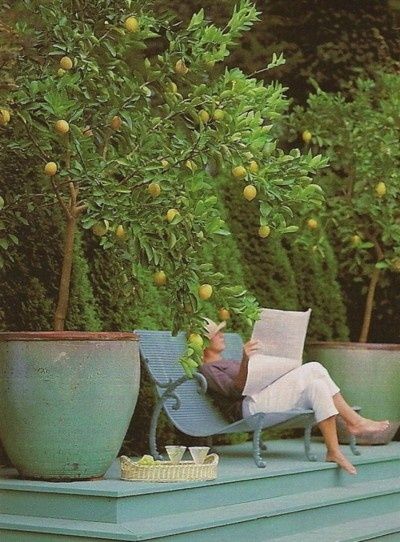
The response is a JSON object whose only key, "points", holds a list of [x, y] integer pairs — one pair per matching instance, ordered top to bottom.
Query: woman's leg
{"points": [[301, 389], [319, 396], [356, 424], [333, 452]]}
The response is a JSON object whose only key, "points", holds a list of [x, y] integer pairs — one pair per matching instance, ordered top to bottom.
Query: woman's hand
{"points": [[251, 347]]}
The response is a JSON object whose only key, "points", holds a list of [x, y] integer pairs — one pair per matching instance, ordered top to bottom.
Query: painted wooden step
{"points": [[114, 501], [280, 516], [370, 528]]}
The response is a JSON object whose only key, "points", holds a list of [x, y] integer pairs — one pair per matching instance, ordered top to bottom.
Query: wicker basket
{"points": [[165, 471]]}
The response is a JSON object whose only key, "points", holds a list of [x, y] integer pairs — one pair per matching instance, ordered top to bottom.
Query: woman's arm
{"points": [[249, 349]]}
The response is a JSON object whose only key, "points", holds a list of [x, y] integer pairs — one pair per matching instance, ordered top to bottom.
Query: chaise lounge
{"points": [[191, 409]]}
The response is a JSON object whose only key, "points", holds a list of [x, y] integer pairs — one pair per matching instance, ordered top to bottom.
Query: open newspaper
{"points": [[281, 335]]}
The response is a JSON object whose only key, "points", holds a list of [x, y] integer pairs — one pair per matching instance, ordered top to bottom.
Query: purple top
{"points": [[220, 376]]}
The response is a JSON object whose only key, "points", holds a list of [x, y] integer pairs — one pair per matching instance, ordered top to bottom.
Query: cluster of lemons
{"points": [[5, 117], [239, 173], [147, 461]]}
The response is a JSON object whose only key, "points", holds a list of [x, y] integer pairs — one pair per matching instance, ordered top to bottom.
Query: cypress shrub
{"points": [[29, 277], [318, 288]]}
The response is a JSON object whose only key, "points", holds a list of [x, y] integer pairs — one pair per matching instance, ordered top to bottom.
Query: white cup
{"points": [[175, 453], [199, 453]]}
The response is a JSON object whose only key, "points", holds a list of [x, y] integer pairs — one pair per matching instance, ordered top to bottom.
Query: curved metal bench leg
{"points": [[153, 430], [353, 438], [307, 443], [353, 445], [263, 446], [256, 449]]}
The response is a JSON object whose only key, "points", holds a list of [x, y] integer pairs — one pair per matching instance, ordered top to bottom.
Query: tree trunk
{"points": [[65, 281], [368, 306]]}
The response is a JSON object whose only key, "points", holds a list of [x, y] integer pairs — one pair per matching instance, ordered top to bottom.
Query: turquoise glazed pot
{"points": [[367, 374], [66, 400]]}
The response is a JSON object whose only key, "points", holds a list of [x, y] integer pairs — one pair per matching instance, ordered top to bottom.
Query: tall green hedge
{"points": [[330, 42]]}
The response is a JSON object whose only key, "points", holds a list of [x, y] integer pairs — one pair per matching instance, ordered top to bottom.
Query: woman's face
{"points": [[217, 343]]}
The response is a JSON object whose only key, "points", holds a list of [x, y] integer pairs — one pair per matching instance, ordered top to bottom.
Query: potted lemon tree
{"points": [[123, 113], [360, 136]]}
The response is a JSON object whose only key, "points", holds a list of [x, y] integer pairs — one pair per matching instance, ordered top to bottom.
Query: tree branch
{"points": [[59, 198]]}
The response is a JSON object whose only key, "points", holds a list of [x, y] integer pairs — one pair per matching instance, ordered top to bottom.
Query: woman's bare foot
{"points": [[366, 427], [341, 460]]}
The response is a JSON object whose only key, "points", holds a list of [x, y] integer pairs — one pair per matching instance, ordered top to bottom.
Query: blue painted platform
{"points": [[290, 500]]}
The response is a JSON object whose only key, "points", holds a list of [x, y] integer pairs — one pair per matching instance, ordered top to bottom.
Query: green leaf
{"points": [[196, 19], [290, 229], [172, 240]]}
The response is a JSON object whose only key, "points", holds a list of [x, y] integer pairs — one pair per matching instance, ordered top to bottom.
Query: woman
{"points": [[307, 387]]}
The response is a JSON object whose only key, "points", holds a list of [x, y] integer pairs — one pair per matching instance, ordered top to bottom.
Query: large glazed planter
{"points": [[368, 376], [66, 400]]}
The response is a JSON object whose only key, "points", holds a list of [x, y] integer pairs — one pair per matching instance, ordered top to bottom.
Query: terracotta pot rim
{"points": [[67, 336], [354, 346]]}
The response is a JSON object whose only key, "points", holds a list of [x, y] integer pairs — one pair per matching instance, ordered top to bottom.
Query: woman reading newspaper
{"points": [[265, 382]]}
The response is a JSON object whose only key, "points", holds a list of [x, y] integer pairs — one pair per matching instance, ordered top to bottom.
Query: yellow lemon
{"points": [[131, 24], [66, 63], [181, 68], [218, 114], [4, 117], [204, 117], [116, 123], [61, 127], [307, 136], [165, 164], [191, 165], [253, 167], [50, 169], [239, 172], [154, 189], [380, 189], [250, 192], [171, 214], [312, 224], [100, 229], [264, 231], [120, 232], [355, 240], [396, 264], [160, 278], [205, 291], [224, 314], [196, 339], [146, 461]]}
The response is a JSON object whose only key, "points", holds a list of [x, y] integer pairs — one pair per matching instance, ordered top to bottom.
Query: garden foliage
{"points": [[360, 136], [124, 138]]}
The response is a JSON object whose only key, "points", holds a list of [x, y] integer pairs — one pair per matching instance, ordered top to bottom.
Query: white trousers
{"points": [[306, 387]]}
